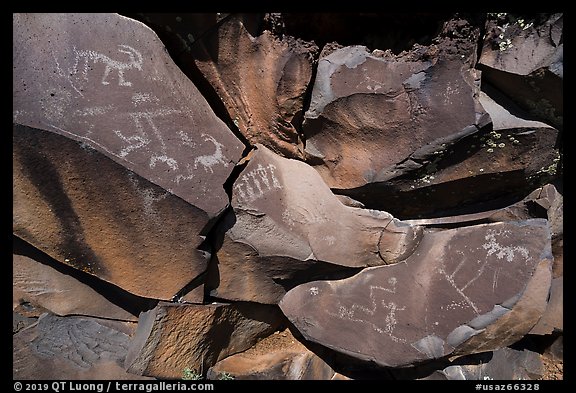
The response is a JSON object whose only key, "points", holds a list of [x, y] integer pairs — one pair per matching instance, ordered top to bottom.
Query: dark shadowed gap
{"points": [[397, 31]]}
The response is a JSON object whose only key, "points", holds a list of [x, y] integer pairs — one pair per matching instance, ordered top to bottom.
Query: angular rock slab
{"points": [[523, 56], [261, 80], [122, 95], [373, 116], [483, 171], [285, 220], [119, 227], [40, 284], [463, 291], [172, 337], [70, 348], [293, 364], [505, 364]]}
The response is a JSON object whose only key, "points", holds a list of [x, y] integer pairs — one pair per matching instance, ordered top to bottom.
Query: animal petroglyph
{"points": [[77, 75], [208, 161], [254, 184], [354, 312]]}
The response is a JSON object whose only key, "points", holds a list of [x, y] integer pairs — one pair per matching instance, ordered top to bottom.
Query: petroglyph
{"points": [[77, 74], [141, 121], [208, 161], [256, 183], [492, 246], [390, 321]]}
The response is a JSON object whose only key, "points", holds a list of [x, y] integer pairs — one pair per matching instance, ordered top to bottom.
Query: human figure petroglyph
{"points": [[256, 183], [373, 310]]}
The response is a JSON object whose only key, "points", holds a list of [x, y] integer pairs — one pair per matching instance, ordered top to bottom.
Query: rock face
{"points": [[523, 58], [261, 80], [119, 106], [375, 134], [209, 195], [285, 219], [36, 283], [465, 290], [173, 337], [66, 348], [279, 356], [505, 364]]}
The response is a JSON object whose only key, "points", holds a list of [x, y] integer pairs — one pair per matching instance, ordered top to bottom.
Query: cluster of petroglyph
{"points": [[390, 209]]}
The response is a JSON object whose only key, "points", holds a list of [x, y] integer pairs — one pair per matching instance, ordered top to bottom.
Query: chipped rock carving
{"points": [[457, 284]]}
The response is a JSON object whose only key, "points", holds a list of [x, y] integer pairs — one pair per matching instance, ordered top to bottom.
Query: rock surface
{"points": [[523, 57], [261, 80], [120, 106], [65, 207], [285, 219], [39, 284], [463, 291], [173, 337], [68, 348], [274, 359], [505, 364]]}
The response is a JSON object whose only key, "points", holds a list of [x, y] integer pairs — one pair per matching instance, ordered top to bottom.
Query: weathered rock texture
{"points": [[523, 57], [261, 80], [117, 106], [379, 129], [397, 197], [285, 219], [36, 283], [463, 291], [172, 337], [67, 348], [277, 357], [505, 364]]}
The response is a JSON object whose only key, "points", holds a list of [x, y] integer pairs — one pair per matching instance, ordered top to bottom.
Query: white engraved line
{"points": [[135, 61], [90, 140], [208, 161], [493, 246], [451, 281], [390, 319]]}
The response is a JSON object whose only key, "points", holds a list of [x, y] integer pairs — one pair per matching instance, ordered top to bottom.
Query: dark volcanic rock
{"points": [[522, 56], [260, 79], [120, 106], [375, 115], [484, 171], [286, 220], [119, 227], [39, 284], [462, 291], [173, 337], [69, 348], [292, 364], [505, 364]]}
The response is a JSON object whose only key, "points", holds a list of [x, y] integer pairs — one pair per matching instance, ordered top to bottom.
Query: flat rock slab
{"points": [[122, 95], [285, 220], [119, 227], [40, 284], [463, 291], [173, 337], [70, 348], [293, 364], [505, 364]]}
